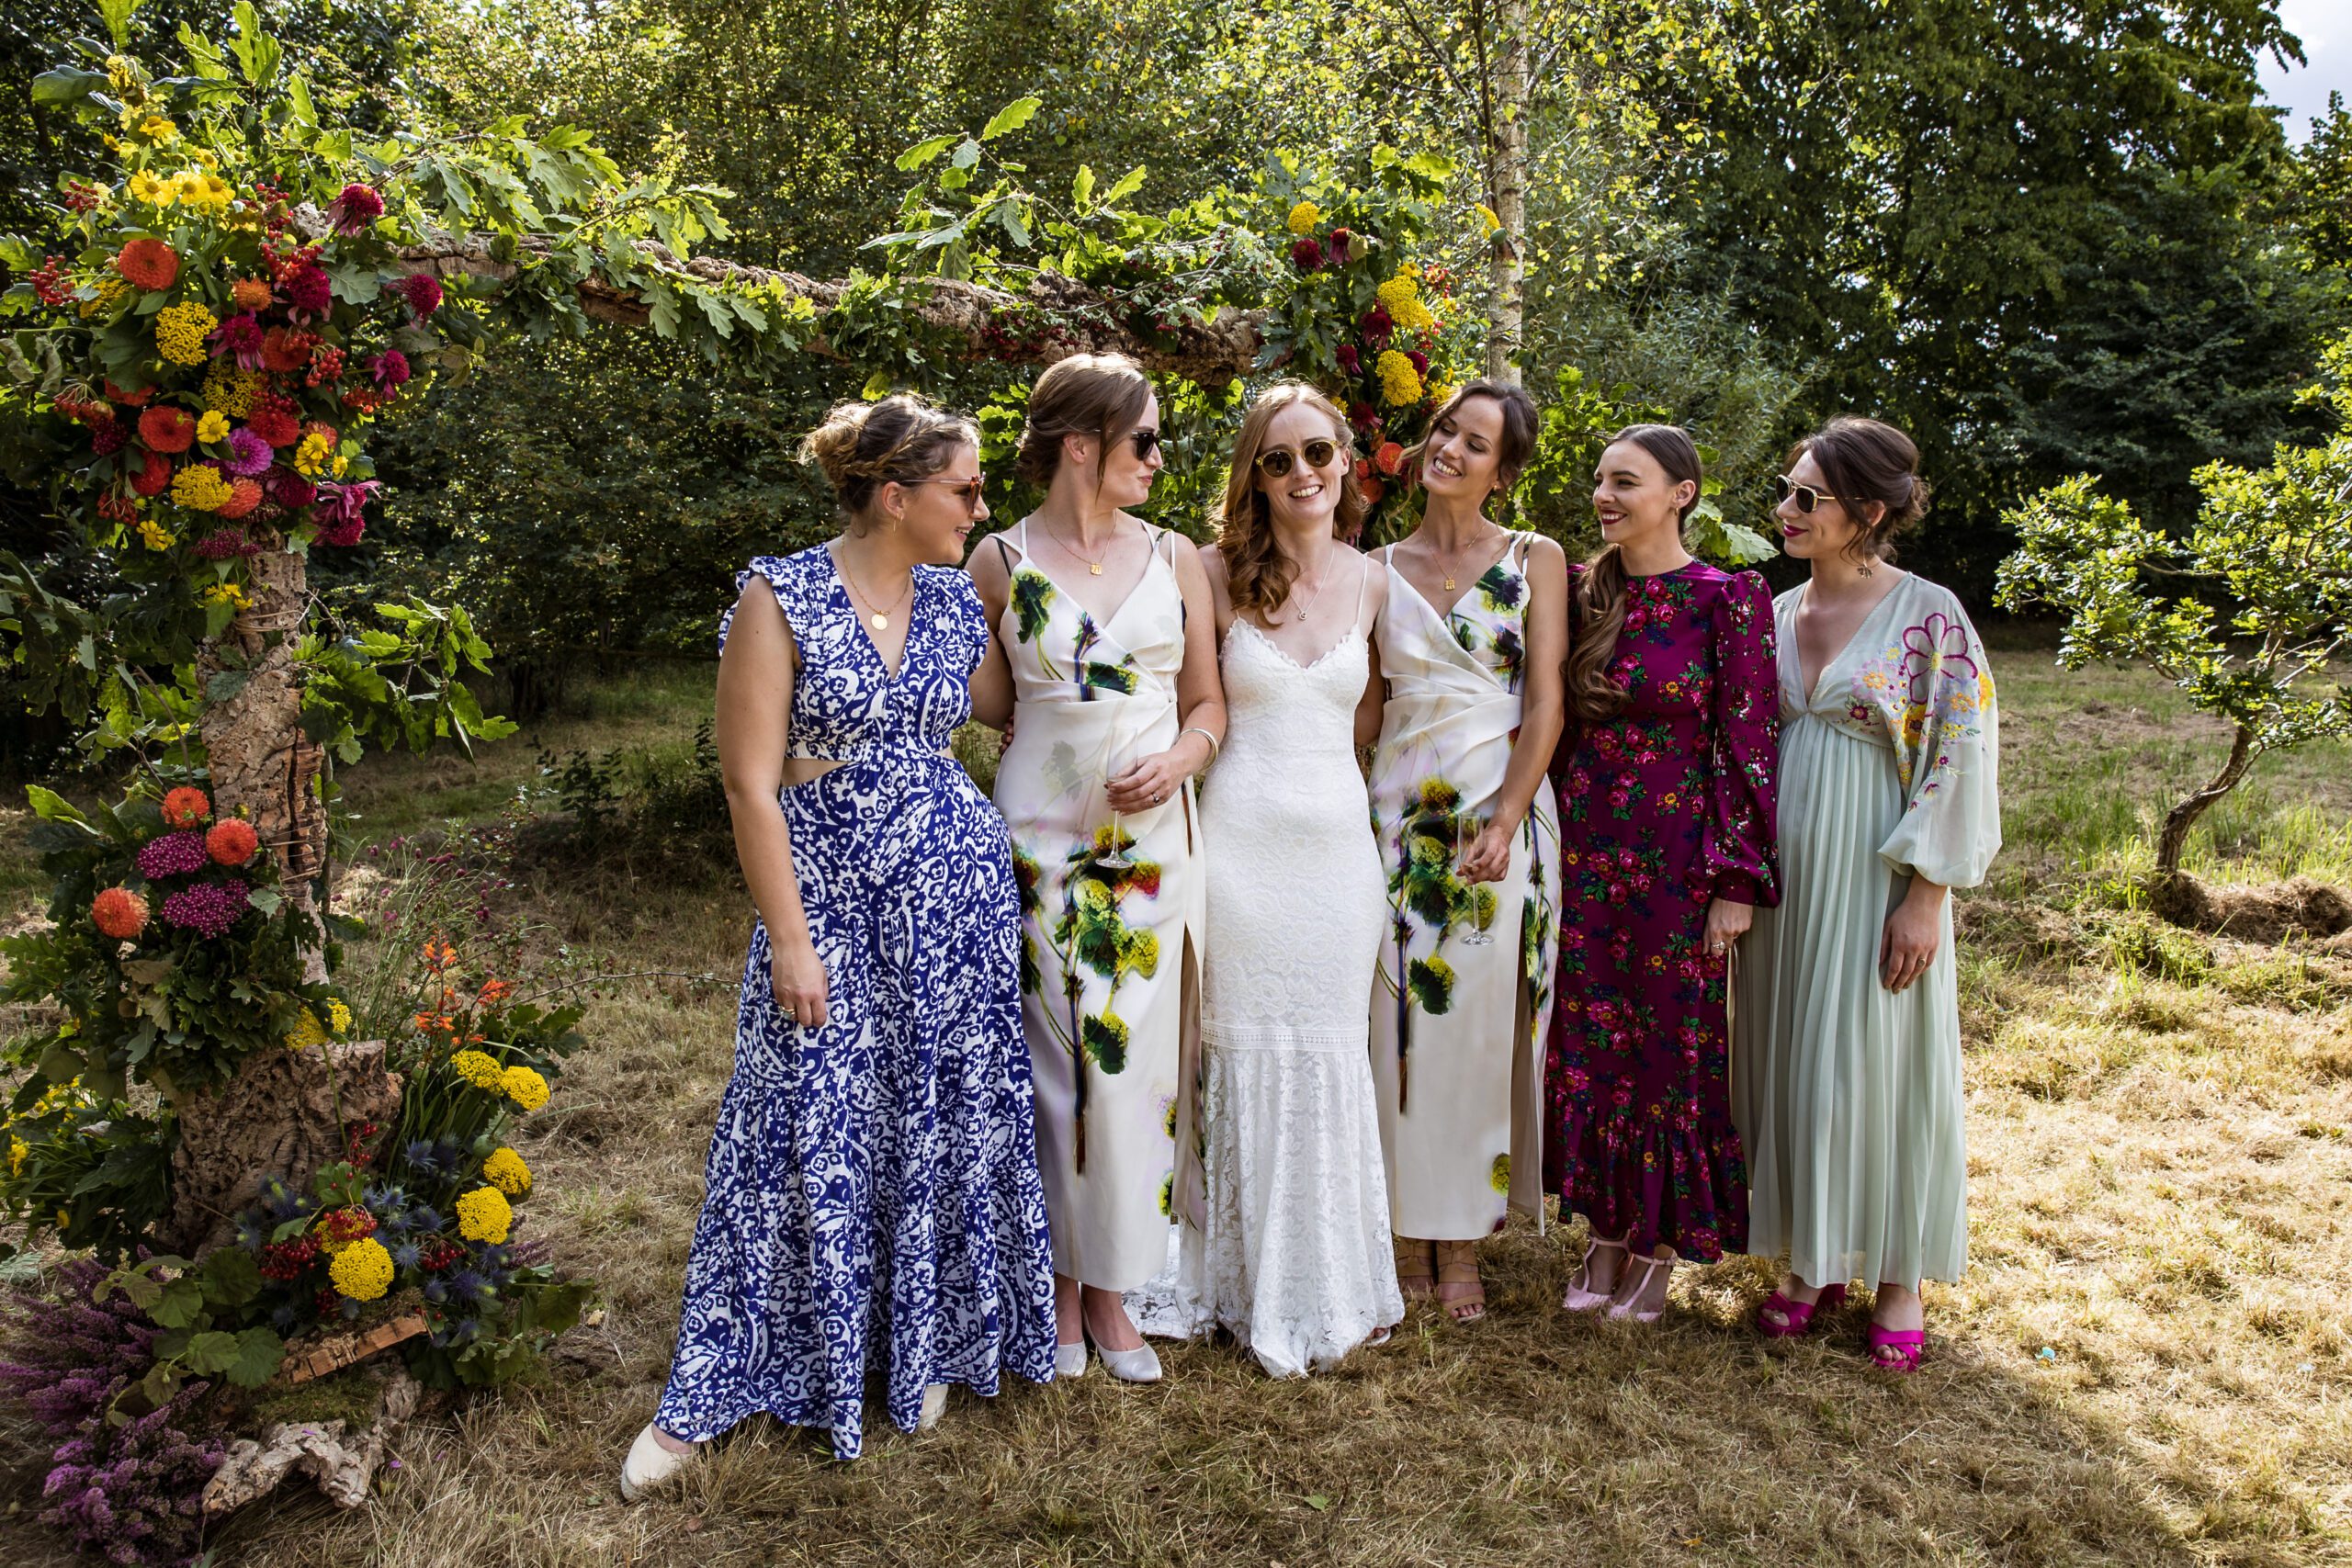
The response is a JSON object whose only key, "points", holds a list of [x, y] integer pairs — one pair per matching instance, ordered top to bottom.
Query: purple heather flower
{"points": [[249, 455], [173, 855], [208, 908]]}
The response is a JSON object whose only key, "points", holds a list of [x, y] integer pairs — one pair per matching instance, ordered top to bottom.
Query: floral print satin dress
{"points": [[1663, 808], [1104, 949], [1458, 1025], [1849, 1095], [872, 1192]]}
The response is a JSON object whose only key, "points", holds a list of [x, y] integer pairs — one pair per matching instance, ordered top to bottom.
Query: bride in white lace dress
{"points": [[1288, 1247]]}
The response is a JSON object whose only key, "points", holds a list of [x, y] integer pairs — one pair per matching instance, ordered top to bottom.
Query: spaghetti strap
{"points": [[1003, 555]]}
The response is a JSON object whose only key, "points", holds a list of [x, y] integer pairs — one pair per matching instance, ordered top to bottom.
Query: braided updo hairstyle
{"points": [[862, 446], [1862, 460]]}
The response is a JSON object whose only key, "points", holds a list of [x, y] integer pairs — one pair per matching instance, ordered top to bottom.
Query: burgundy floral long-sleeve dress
{"points": [[1663, 808]]}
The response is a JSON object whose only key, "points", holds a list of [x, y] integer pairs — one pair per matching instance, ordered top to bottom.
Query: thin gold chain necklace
{"points": [[878, 619]]}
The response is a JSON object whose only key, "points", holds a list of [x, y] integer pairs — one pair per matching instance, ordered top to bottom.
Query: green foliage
{"points": [[403, 685], [90, 1172], [200, 1308]]}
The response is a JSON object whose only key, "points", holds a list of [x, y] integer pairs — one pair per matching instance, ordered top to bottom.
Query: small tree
{"points": [[2244, 614]]}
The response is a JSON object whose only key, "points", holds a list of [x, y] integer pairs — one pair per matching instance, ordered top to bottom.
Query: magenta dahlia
{"points": [[357, 207], [421, 289], [307, 291], [241, 337], [389, 368], [249, 455], [171, 855], [208, 908]]}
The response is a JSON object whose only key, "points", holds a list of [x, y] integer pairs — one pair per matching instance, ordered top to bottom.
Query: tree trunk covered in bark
{"points": [[1506, 190]]}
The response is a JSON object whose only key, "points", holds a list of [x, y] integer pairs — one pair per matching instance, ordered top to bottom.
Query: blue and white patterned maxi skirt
{"points": [[872, 1188]]}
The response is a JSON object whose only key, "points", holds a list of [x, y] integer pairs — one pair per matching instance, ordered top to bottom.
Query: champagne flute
{"points": [[1118, 756], [1468, 826]]}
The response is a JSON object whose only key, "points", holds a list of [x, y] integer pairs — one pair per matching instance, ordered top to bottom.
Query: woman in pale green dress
{"points": [[1470, 645], [1846, 1054]]}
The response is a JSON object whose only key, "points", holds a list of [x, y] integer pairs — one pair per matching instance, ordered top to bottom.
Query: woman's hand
{"points": [[1152, 780], [1486, 858], [1726, 923], [1912, 933], [799, 976]]}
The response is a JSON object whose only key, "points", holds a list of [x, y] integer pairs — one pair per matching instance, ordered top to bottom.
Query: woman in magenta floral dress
{"points": [[1665, 775]]}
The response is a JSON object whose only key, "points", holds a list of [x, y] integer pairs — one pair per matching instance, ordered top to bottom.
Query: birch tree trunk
{"points": [[1506, 190]]}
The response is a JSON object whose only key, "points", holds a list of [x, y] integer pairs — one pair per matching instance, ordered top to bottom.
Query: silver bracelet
{"points": [[1196, 729]]}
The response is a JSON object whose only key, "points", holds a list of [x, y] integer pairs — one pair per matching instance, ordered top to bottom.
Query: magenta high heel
{"points": [[1795, 1316], [1907, 1344]]}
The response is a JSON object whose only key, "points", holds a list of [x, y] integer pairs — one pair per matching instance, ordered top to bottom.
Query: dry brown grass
{"points": [[2161, 1127]]}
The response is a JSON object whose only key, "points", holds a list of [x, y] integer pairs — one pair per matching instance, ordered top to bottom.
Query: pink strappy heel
{"points": [[1648, 1264], [1582, 1297], [1796, 1317], [1909, 1345]]}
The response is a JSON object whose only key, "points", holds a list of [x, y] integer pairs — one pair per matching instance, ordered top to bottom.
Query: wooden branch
{"points": [[1054, 317], [338, 1351]]}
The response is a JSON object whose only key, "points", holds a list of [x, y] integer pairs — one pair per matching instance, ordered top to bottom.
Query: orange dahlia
{"points": [[150, 264], [250, 293], [136, 400], [167, 429], [1389, 456], [154, 475], [244, 496], [185, 807], [232, 842], [119, 913]]}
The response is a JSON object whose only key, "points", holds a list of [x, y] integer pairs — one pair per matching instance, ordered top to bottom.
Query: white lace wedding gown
{"points": [[1293, 1258]]}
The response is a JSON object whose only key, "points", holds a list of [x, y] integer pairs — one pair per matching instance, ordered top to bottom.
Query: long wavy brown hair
{"points": [[1257, 573], [1600, 601]]}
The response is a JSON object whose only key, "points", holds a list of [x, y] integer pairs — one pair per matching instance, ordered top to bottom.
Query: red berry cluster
{"points": [[80, 197], [49, 282], [326, 364], [118, 508], [356, 1137], [343, 1226], [439, 1255], [288, 1259]]}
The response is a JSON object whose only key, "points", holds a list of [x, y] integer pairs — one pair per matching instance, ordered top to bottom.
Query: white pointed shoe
{"points": [[1069, 1360], [1138, 1365], [935, 1406], [650, 1466]]}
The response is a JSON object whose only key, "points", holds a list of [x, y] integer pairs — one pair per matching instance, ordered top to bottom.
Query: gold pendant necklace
{"points": [[1094, 568], [875, 618]]}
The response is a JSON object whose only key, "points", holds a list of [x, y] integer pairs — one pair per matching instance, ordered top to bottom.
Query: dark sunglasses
{"points": [[1146, 442], [1280, 461], [969, 488], [1807, 497]]}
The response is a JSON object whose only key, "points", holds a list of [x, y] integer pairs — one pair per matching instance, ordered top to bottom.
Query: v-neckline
{"points": [[1029, 563], [1445, 616], [865, 632], [1812, 691]]}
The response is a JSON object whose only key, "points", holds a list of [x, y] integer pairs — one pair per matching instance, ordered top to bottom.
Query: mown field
{"points": [[2147, 1364]]}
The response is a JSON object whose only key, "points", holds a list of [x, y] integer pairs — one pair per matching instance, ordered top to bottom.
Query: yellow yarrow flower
{"points": [[155, 192], [1304, 218], [109, 295], [1401, 297], [180, 331], [1400, 384], [230, 389], [1442, 392], [213, 426], [311, 456], [199, 487], [154, 536], [339, 1016], [307, 1031], [479, 1069], [524, 1087], [17, 1153], [504, 1169], [484, 1215], [363, 1270]]}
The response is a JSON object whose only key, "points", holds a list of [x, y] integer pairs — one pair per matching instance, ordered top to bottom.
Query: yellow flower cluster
{"points": [[119, 75], [159, 131], [198, 188], [152, 190], [1487, 216], [1304, 218], [109, 295], [1401, 297], [180, 331], [1400, 384], [229, 389], [1442, 392], [213, 426], [312, 457], [199, 487], [154, 536], [227, 593], [339, 1015], [307, 1031], [477, 1069], [524, 1087], [17, 1153], [504, 1169], [484, 1215], [364, 1270]]}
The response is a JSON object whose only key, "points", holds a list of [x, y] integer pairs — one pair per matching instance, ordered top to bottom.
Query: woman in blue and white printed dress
{"points": [[873, 1184]]}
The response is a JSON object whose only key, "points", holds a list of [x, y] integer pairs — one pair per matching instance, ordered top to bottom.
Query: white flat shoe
{"points": [[1069, 1360], [1138, 1365], [935, 1406], [650, 1466]]}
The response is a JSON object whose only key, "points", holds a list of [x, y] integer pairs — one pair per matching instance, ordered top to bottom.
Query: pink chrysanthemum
{"points": [[357, 207], [1341, 242], [307, 291], [1377, 325], [1349, 359], [249, 455], [173, 855], [208, 908]]}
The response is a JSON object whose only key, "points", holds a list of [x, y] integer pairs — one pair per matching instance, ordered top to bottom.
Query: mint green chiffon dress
{"points": [[1847, 1096]]}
